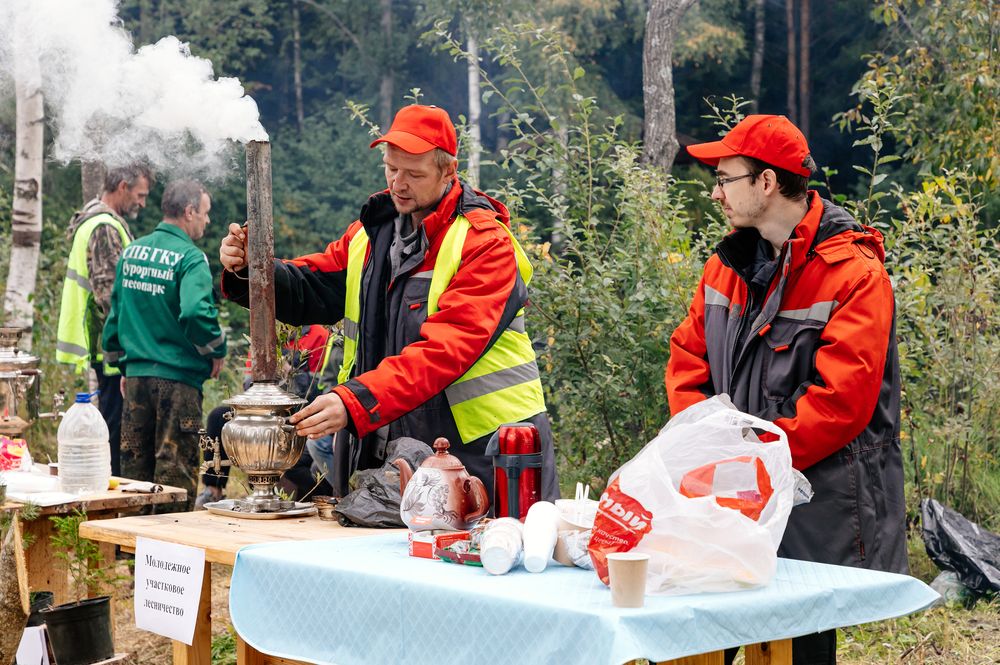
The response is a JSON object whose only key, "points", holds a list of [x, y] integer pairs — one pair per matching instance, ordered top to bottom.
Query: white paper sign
{"points": [[167, 588], [31, 650]]}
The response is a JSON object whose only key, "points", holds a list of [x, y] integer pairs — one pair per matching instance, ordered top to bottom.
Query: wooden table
{"points": [[221, 537], [45, 570]]}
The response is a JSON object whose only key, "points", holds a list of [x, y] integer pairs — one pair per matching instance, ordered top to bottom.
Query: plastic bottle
{"points": [[84, 451]]}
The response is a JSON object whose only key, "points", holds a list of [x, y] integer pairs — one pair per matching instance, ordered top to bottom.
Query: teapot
{"points": [[440, 494]]}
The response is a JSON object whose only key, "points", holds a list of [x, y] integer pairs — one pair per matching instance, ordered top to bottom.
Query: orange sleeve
{"points": [[850, 365], [687, 369]]}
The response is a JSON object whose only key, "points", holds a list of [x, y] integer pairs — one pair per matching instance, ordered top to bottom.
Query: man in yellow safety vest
{"points": [[98, 234], [431, 286]]}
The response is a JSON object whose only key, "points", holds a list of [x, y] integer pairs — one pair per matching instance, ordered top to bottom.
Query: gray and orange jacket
{"points": [[808, 342], [405, 358]]}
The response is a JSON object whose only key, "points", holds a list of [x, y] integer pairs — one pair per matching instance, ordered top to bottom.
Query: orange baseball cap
{"points": [[419, 129], [772, 139]]}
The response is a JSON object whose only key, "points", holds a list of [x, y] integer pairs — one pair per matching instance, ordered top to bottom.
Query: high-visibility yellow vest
{"points": [[73, 339], [503, 386]]}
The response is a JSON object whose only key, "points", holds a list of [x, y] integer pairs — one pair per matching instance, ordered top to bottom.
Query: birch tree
{"points": [[475, 103], [660, 123], [26, 220]]}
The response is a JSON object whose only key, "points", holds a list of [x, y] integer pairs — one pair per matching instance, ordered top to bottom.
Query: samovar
{"points": [[20, 386], [257, 437]]}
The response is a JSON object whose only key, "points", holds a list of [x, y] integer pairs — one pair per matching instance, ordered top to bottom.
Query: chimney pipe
{"points": [[260, 249]]}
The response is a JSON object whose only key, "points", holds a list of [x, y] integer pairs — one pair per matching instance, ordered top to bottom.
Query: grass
{"points": [[944, 635]]}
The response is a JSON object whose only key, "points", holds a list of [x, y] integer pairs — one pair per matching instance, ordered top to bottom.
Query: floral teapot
{"points": [[440, 494]]}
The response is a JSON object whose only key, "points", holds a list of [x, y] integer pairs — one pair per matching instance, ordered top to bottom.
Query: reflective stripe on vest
{"points": [[352, 304], [73, 336], [503, 386]]}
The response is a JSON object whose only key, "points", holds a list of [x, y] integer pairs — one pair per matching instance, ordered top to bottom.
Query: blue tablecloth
{"points": [[364, 600]]}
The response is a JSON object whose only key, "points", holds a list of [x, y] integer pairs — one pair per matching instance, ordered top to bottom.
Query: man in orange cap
{"points": [[430, 284], [794, 319]]}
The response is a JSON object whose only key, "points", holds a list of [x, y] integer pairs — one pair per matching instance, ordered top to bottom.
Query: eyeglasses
{"points": [[721, 182]]}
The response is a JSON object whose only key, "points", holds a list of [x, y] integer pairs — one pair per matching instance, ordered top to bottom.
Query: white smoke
{"points": [[107, 101]]}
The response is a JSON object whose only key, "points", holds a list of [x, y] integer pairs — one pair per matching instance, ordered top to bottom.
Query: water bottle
{"points": [[84, 451]]}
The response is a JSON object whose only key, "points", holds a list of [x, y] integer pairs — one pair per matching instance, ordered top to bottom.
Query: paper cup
{"points": [[573, 516], [501, 545], [627, 571]]}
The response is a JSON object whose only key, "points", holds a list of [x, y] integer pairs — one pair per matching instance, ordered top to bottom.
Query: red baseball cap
{"points": [[419, 129], [772, 139]]}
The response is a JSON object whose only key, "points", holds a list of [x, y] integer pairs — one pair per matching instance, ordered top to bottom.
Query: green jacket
{"points": [[164, 321]]}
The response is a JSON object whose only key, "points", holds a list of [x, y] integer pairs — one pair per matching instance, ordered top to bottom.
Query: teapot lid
{"points": [[442, 459]]}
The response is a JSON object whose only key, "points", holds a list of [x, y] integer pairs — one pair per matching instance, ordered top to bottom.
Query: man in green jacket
{"points": [[98, 233], [163, 334]]}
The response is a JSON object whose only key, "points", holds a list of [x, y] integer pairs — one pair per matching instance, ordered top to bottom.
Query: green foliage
{"points": [[710, 32], [234, 34], [946, 73], [614, 263], [945, 266], [947, 273], [90, 573], [224, 647]]}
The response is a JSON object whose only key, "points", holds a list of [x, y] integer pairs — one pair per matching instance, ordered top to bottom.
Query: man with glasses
{"points": [[794, 319]]}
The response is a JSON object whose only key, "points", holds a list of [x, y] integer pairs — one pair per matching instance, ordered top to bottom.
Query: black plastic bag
{"points": [[375, 502], [955, 543]]}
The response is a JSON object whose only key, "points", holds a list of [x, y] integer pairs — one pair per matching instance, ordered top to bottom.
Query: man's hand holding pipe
{"points": [[233, 251]]}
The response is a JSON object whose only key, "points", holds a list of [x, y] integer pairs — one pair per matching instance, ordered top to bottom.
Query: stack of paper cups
{"points": [[540, 532], [501, 546]]}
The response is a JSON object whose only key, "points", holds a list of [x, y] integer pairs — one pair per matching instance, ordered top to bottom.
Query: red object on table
{"points": [[517, 469]]}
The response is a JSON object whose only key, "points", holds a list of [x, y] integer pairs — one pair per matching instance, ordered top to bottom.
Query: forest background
{"points": [[898, 98]]}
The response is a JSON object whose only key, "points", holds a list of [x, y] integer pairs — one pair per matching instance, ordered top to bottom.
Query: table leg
{"points": [[46, 572], [200, 651], [778, 652], [247, 655]]}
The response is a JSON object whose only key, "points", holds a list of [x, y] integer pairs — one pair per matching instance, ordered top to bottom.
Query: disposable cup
{"points": [[573, 516], [501, 545], [627, 571]]}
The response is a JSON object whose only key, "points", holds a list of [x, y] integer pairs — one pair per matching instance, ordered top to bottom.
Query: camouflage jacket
{"points": [[103, 251]]}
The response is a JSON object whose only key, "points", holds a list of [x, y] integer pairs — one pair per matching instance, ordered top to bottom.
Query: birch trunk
{"points": [[757, 66], [791, 85], [475, 105], [660, 123], [26, 222]]}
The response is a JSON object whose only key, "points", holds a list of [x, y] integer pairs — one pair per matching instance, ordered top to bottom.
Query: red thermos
{"points": [[517, 469]]}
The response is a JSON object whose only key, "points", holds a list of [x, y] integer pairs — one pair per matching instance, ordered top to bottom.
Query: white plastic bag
{"points": [[706, 499]]}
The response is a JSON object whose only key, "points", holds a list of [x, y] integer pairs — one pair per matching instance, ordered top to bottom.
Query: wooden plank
{"points": [[111, 500], [220, 536], [46, 572], [200, 651], [778, 652], [247, 655], [713, 658]]}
